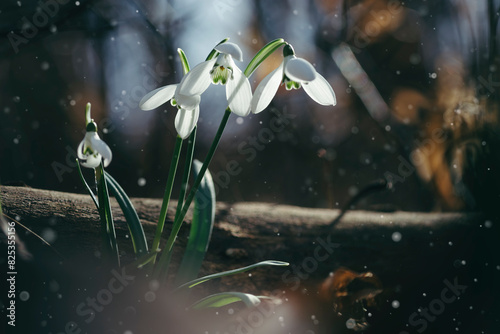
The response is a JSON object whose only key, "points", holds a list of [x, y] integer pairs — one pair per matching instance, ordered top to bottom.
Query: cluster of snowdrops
{"points": [[219, 68]]}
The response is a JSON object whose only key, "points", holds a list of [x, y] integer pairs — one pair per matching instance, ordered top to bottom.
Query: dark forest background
{"points": [[417, 88]]}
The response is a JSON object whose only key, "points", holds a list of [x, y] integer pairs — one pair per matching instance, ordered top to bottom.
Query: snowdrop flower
{"points": [[221, 70], [293, 72], [188, 106], [93, 149]]}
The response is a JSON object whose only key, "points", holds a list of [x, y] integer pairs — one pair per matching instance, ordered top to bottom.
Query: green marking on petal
{"points": [[220, 74], [290, 84], [173, 102], [88, 151]]}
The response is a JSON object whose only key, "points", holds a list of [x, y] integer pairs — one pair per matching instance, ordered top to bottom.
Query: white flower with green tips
{"points": [[221, 70], [294, 73], [188, 107], [92, 149]]}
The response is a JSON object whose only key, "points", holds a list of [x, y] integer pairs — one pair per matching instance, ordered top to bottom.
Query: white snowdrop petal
{"points": [[231, 49], [226, 61], [300, 70], [196, 81], [266, 90], [320, 91], [239, 93], [157, 97], [188, 102], [185, 121], [99, 146], [79, 150], [91, 161]]}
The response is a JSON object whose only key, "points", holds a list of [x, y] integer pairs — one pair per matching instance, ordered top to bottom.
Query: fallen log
{"points": [[414, 254]]}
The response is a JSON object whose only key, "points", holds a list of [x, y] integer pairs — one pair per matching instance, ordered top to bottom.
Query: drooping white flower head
{"points": [[221, 70], [294, 73], [188, 107], [92, 149]]}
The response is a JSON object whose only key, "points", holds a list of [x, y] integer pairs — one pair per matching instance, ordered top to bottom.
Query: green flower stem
{"points": [[88, 118], [190, 148], [186, 173], [185, 179], [166, 196], [107, 225], [162, 268]]}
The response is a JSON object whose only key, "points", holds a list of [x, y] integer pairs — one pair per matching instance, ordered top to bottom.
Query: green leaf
{"points": [[214, 52], [265, 52], [184, 61], [186, 172], [86, 184], [166, 196], [134, 224], [201, 227], [108, 233], [142, 261], [162, 268], [232, 272], [226, 298]]}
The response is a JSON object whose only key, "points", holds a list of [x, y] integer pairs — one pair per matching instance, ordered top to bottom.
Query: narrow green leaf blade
{"points": [[265, 52], [184, 61], [187, 171], [86, 184], [166, 198], [107, 223], [134, 224], [201, 227], [141, 261], [232, 272], [226, 298]]}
